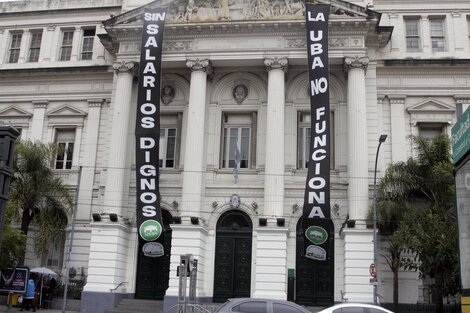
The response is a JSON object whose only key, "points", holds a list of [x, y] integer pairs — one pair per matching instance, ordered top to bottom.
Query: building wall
{"points": [[404, 91]]}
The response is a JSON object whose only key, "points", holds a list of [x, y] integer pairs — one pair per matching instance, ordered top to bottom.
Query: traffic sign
{"points": [[373, 270]]}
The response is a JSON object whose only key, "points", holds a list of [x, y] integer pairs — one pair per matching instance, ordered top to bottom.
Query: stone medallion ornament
{"points": [[239, 93], [167, 94], [235, 201]]}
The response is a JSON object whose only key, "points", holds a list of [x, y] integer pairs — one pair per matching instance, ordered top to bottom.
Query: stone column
{"points": [[397, 120], [37, 125], [194, 145], [89, 159], [274, 163], [117, 166], [358, 193], [358, 241], [111, 246]]}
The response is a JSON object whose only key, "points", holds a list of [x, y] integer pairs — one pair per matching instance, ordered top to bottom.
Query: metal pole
{"points": [[374, 200], [74, 215]]}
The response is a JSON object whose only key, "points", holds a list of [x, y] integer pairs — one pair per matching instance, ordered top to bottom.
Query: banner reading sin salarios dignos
{"points": [[147, 135], [316, 222]]}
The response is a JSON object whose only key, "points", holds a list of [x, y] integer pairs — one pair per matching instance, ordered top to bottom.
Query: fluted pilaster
{"points": [[194, 145], [274, 163], [358, 192]]}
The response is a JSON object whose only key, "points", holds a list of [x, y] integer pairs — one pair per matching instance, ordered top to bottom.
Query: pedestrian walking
{"points": [[28, 299]]}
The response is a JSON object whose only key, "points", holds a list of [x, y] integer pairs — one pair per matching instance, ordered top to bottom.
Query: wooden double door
{"points": [[232, 272]]}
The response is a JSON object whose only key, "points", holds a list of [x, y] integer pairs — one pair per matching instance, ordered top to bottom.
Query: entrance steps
{"points": [[138, 306]]}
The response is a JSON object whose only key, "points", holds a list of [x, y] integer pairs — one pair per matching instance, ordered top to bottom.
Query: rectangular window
{"points": [[412, 35], [437, 35], [15, 44], [87, 45], [35, 46], [66, 47], [170, 128], [430, 130], [65, 140], [237, 140], [303, 140], [167, 147]]}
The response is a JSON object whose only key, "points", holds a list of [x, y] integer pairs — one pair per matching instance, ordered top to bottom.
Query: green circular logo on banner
{"points": [[150, 230], [316, 234]]}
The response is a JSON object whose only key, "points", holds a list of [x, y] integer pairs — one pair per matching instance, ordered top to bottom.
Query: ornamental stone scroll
{"points": [[357, 62], [281, 63], [200, 65], [126, 67]]}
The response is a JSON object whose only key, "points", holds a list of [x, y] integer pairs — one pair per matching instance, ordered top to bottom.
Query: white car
{"points": [[255, 305], [347, 307]]}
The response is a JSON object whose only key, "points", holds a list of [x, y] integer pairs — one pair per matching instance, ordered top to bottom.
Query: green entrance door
{"points": [[232, 273], [153, 274], [314, 279]]}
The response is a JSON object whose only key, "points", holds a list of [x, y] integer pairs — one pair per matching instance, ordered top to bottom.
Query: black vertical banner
{"points": [[147, 136], [316, 221]]}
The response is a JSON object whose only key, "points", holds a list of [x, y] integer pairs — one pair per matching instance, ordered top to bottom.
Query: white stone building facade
{"points": [[234, 73]]}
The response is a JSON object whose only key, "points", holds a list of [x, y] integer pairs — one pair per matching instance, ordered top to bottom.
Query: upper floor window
{"points": [[412, 34], [437, 35], [15, 44], [87, 44], [35, 46], [66, 46], [170, 129], [430, 130], [65, 140], [303, 140], [238, 146], [167, 147]]}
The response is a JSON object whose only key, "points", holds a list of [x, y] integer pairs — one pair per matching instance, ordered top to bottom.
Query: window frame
{"points": [[410, 36], [437, 37], [85, 38], [33, 47], [14, 48], [66, 48], [171, 120], [303, 128], [435, 128], [225, 149], [67, 155]]}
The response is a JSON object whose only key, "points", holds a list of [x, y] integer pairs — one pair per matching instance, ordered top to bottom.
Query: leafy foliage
{"points": [[38, 195], [416, 209], [13, 241]]}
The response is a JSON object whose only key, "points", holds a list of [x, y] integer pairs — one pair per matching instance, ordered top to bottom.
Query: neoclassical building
{"points": [[234, 79]]}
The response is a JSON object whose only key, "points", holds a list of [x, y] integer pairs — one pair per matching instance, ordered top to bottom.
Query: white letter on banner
{"points": [[147, 143], [316, 212]]}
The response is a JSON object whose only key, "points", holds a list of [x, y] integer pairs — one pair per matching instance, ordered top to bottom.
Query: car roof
{"points": [[364, 305]]}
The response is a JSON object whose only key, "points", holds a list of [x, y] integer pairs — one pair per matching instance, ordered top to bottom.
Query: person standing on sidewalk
{"points": [[28, 299]]}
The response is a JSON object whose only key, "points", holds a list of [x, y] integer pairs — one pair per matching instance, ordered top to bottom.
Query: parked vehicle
{"points": [[253, 305], [347, 307]]}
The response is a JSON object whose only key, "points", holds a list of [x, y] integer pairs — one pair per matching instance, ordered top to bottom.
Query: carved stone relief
{"points": [[183, 11]]}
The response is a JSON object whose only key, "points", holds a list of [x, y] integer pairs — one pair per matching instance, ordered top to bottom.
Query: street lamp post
{"points": [[382, 139]]}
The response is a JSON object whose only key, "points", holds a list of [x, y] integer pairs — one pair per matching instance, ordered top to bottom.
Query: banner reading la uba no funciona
{"points": [[147, 135], [316, 220]]}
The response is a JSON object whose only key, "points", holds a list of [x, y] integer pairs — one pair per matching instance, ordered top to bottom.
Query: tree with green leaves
{"points": [[37, 195], [416, 200], [13, 241]]}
